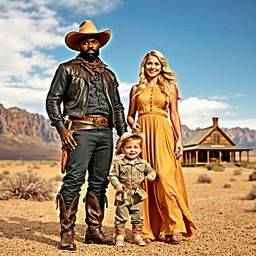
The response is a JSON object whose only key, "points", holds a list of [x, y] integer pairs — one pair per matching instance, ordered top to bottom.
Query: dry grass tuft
{"points": [[250, 165], [215, 167], [238, 171], [252, 176], [204, 178], [27, 185], [227, 185], [252, 194]]}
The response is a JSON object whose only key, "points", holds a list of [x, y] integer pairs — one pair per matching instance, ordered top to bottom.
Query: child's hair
{"points": [[134, 138]]}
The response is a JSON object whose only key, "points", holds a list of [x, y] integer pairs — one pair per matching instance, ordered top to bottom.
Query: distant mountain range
{"points": [[25, 135]]}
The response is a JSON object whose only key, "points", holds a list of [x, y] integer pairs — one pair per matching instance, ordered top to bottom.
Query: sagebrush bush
{"points": [[54, 164], [249, 165], [215, 167], [237, 171], [6, 172], [2, 176], [252, 176], [204, 178], [27, 185], [227, 185], [252, 194]]}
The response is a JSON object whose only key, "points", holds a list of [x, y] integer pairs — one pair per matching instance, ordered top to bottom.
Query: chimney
{"points": [[215, 121]]}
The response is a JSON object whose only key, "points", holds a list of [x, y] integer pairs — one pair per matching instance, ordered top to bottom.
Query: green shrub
{"points": [[250, 165], [215, 167], [204, 178], [27, 185]]}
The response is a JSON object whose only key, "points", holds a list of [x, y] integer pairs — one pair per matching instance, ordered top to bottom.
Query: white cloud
{"points": [[91, 7], [28, 29], [21, 97], [196, 112], [242, 123]]}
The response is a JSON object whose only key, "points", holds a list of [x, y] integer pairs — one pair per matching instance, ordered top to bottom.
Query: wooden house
{"points": [[211, 144]]}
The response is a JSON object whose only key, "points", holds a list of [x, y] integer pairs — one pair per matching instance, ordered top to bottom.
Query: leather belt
{"points": [[95, 120], [132, 187]]}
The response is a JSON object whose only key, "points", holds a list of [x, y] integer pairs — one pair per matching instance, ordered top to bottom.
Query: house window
{"points": [[216, 139]]}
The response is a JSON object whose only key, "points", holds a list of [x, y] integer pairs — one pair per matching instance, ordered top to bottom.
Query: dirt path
{"points": [[226, 224]]}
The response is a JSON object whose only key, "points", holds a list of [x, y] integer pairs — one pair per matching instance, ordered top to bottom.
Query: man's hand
{"points": [[67, 139], [119, 187]]}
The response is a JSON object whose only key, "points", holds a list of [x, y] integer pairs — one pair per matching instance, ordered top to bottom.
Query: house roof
{"points": [[199, 135], [196, 137], [215, 147]]}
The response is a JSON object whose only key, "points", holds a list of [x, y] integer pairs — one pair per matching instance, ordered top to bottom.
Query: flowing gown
{"points": [[166, 208]]}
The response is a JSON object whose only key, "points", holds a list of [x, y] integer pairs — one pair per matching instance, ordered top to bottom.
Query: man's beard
{"points": [[90, 57]]}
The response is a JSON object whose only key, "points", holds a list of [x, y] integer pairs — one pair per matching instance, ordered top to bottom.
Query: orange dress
{"points": [[166, 208]]}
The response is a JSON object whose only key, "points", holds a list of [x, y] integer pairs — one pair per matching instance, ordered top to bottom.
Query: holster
{"points": [[64, 154]]}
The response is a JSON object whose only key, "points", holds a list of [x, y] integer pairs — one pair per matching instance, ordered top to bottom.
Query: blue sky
{"points": [[210, 44]]}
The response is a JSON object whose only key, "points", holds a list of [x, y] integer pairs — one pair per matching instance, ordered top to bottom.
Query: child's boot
{"points": [[119, 235], [137, 235]]}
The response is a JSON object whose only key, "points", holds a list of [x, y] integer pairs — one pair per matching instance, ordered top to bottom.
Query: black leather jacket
{"points": [[70, 85]]}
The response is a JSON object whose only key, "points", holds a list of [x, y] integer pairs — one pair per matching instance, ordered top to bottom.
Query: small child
{"points": [[127, 176]]}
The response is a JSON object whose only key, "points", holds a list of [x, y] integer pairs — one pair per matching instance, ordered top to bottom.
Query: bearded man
{"points": [[89, 94]]}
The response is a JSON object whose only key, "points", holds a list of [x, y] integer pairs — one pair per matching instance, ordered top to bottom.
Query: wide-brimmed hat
{"points": [[86, 28], [127, 135]]}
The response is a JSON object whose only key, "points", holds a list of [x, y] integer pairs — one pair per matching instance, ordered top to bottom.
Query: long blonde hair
{"points": [[165, 79]]}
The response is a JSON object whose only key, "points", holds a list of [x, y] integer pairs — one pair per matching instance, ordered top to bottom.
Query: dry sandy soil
{"points": [[226, 223]]}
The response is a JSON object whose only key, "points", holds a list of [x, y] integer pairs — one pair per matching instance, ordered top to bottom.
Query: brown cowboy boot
{"points": [[94, 218], [67, 222], [119, 235], [137, 235]]}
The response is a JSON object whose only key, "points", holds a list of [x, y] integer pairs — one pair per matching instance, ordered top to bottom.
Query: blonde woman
{"points": [[166, 210]]}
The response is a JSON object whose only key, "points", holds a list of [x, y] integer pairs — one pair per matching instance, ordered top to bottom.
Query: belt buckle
{"points": [[94, 121]]}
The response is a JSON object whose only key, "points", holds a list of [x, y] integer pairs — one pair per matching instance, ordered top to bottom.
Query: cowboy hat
{"points": [[86, 28], [126, 136]]}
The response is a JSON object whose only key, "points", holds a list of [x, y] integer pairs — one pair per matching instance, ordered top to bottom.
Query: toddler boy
{"points": [[127, 176]]}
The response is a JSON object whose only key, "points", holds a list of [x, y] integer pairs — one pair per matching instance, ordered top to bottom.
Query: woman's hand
{"points": [[136, 128], [178, 149]]}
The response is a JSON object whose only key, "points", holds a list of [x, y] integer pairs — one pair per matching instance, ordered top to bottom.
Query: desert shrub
{"points": [[20, 163], [53, 164], [250, 165], [35, 166], [215, 167], [237, 171], [6, 172], [2, 176], [252, 176], [57, 178], [204, 178], [232, 179], [27, 185], [227, 185], [252, 194], [254, 209]]}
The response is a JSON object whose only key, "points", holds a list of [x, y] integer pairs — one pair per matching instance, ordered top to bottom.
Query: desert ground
{"points": [[226, 224]]}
